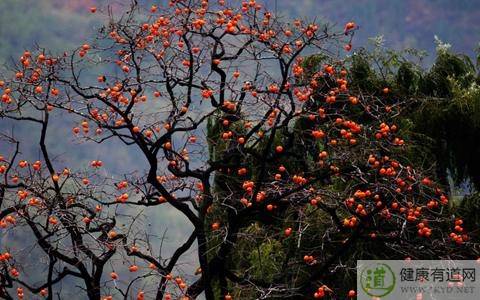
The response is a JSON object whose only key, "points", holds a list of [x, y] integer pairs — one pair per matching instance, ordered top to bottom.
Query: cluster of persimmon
{"points": [[162, 28], [83, 50], [329, 69], [31, 71], [297, 71], [341, 87], [303, 94], [6, 96], [272, 117], [350, 128], [385, 130], [318, 134], [227, 135], [96, 163], [388, 167], [299, 180], [248, 186], [22, 194], [260, 196], [122, 198], [315, 200], [360, 209], [7, 219], [350, 222], [423, 229], [457, 235], [5, 257], [309, 259], [5, 260], [321, 292], [20, 293]]}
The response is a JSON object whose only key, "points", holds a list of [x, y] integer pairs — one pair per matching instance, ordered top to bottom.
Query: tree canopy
{"points": [[288, 156]]}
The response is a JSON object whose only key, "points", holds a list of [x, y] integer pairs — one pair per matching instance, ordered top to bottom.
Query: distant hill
{"points": [[406, 23], [56, 24], [62, 24]]}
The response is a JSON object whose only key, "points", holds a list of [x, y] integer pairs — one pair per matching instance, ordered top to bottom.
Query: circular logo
{"points": [[377, 279]]}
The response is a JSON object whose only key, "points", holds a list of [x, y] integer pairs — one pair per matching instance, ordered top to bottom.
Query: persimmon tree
{"points": [[284, 174]]}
